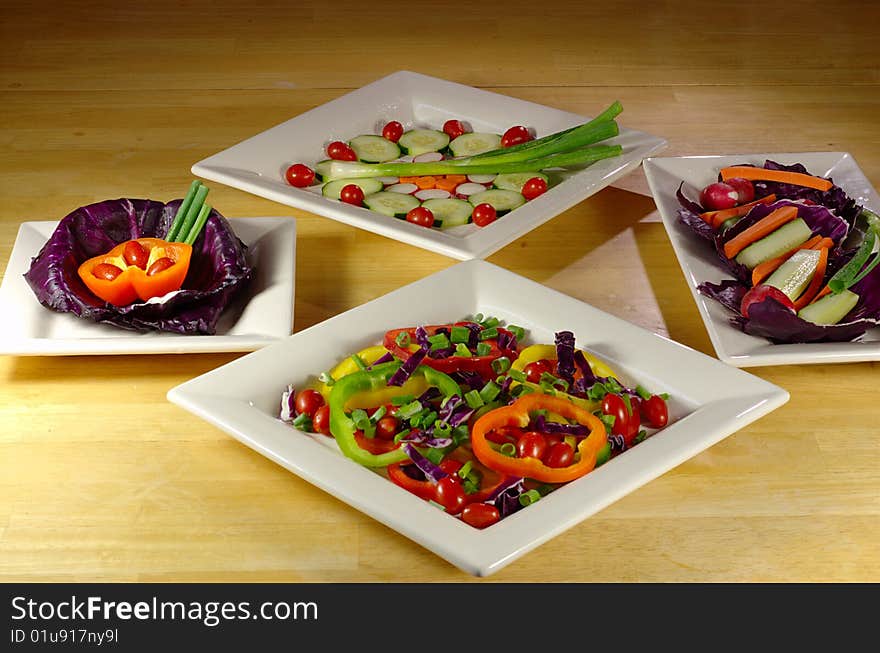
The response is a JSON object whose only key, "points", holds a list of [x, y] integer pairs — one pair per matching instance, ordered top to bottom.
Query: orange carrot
{"points": [[781, 176], [458, 179], [407, 180], [425, 182], [446, 184], [715, 218], [766, 225], [765, 269], [815, 283], [825, 291]]}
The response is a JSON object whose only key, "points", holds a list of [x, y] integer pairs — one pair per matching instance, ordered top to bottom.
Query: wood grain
{"points": [[102, 479]]}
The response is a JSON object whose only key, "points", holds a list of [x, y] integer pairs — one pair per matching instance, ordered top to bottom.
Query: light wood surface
{"points": [[102, 479]]}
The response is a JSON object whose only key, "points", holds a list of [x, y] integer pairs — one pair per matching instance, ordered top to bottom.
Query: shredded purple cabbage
{"points": [[507, 341], [565, 355], [409, 366], [584, 366], [469, 378], [288, 408], [455, 411], [543, 426], [425, 439], [431, 471], [506, 496]]}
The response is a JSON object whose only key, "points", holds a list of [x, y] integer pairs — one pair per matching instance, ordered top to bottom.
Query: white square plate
{"points": [[257, 164], [699, 262], [262, 314], [709, 401]]}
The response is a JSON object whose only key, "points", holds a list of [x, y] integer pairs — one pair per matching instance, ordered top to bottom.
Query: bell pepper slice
{"points": [[118, 291], [534, 353], [369, 355], [482, 365], [374, 380], [518, 414], [426, 488]]}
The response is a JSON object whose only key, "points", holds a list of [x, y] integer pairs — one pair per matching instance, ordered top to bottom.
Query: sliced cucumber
{"points": [[419, 141], [474, 143], [374, 149], [322, 168], [516, 180], [333, 189], [501, 200], [396, 205], [449, 212], [786, 238], [793, 276], [831, 309]]}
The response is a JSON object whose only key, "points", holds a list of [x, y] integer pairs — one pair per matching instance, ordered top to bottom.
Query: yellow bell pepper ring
{"points": [[548, 352], [348, 366]]}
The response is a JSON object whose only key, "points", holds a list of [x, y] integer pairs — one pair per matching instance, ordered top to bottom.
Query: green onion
{"points": [[188, 220], [174, 229], [196, 229], [855, 270], [478, 318], [490, 322], [517, 331], [459, 334], [488, 334], [402, 339], [439, 341], [483, 349], [462, 351], [359, 362], [501, 365], [517, 375], [326, 378], [548, 379], [597, 391], [489, 392], [643, 393], [664, 396], [473, 399], [402, 400], [629, 407], [409, 411], [378, 414], [429, 417], [608, 420], [302, 422], [362, 422], [442, 429], [460, 434], [400, 435], [640, 436], [508, 449], [604, 454], [434, 455], [465, 469], [528, 498]]}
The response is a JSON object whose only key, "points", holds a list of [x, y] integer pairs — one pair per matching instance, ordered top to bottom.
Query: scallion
{"points": [[182, 210], [517, 331], [459, 334], [488, 334], [402, 339], [439, 341], [483, 349], [462, 351], [359, 362], [501, 364], [326, 378], [489, 392], [473, 399], [508, 449], [529, 497]]}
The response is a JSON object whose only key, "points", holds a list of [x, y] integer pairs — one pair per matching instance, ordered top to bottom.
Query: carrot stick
{"points": [[781, 176], [458, 179], [407, 180], [425, 182], [446, 184], [715, 218], [766, 225], [765, 269], [815, 283], [825, 291]]}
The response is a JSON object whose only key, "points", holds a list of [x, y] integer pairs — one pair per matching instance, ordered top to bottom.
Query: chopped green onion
{"points": [[174, 229], [196, 229], [478, 318], [490, 322], [517, 331], [459, 334], [488, 334], [402, 339], [438, 341], [483, 349], [462, 351], [359, 362], [501, 365], [517, 375], [326, 378], [553, 381], [521, 390], [490, 391], [597, 391], [643, 393], [664, 396], [473, 399], [402, 400], [629, 406], [410, 410], [378, 414], [429, 418], [416, 420], [608, 420], [302, 422], [362, 422], [442, 429], [460, 434], [400, 435], [640, 436], [508, 449], [604, 454], [436, 456], [465, 469], [545, 489], [529, 497]]}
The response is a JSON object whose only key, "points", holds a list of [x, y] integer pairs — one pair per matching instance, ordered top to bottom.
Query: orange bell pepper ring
{"points": [[137, 269], [517, 414]]}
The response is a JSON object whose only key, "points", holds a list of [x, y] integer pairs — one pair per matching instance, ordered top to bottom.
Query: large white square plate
{"points": [[257, 164], [699, 262], [261, 315], [709, 401]]}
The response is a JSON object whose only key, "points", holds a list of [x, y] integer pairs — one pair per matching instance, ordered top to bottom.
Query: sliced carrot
{"points": [[781, 176], [458, 179], [407, 180], [425, 182], [446, 184], [715, 218], [766, 225], [765, 269], [815, 283], [825, 291]]}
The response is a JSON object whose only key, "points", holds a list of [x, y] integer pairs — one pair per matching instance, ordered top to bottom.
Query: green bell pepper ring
{"points": [[343, 427]]}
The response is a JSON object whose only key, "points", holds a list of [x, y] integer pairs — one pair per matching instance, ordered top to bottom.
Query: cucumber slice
{"points": [[419, 141], [474, 143], [374, 149], [516, 180], [333, 189], [502, 200], [396, 205], [449, 212], [786, 238], [793, 276], [831, 309]]}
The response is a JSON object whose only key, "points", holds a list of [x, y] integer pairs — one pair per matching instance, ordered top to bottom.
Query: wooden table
{"points": [[102, 479]]}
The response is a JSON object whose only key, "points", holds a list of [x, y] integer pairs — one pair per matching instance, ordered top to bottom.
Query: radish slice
{"points": [[428, 157], [406, 158], [482, 179], [387, 181], [403, 189], [469, 189], [433, 194]]}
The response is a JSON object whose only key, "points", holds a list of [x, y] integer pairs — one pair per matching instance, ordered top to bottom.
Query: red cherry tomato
{"points": [[453, 129], [392, 131], [515, 136], [341, 152], [300, 175], [534, 187], [745, 191], [352, 194], [719, 196], [484, 214], [420, 216], [135, 254], [159, 265], [106, 271], [761, 292], [535, 369], [308, 401], [613, 405], [656, 412], [321, 420], [387, 427], [552, 440], [531, 445], [559, 455], [451, 466], [450, 494], [480, 515]]}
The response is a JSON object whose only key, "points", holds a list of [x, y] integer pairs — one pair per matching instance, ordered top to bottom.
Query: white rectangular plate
{"points": [[257, 164], [699, 262], [262, 314], [709, 401]]}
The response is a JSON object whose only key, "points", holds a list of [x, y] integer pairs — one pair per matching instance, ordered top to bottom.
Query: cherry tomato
{"points": [[453, 129], [392, 131], [515, 135], [341, 152], [299, 175], [534, 187], [745, 191], [352, 194], [719, 196], [484, 214], [420, 216], [135, 254], [159, 265], [106, 271], [761, 292], [535, 369], [308, 401], [613, 405], [655, 411], [321, 420], [386, 428], [552, 439], [531, 445], [559, 455], [451, 466], [450, 494], [480, 515]]}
